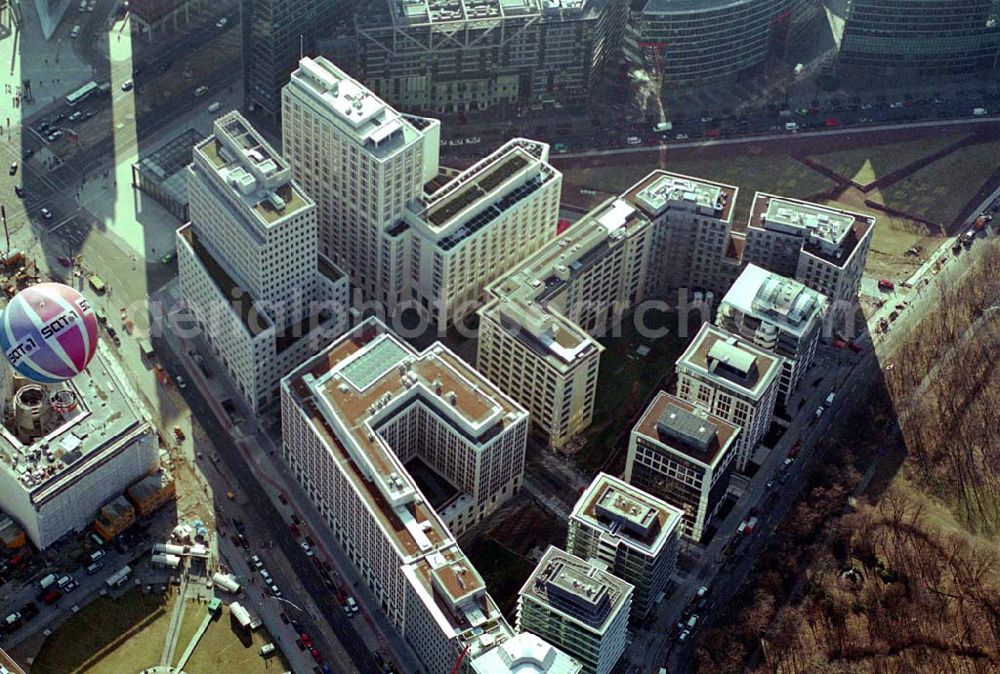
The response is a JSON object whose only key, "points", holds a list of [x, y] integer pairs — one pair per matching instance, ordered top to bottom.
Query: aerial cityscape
{"points": [[500, 337]]}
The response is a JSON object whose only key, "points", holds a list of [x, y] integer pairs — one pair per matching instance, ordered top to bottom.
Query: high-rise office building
{"points": [[276, 33], [912, 39], [697, 42], [457, 55], [402, 233], [824, 248], [247, 262], [775, 313], [537, 331], [733, 379], [356, 419], [683, 455], [634, 533], [578, 607]]}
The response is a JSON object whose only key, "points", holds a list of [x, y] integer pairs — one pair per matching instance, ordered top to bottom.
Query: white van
{"points": [[75, 32], [215, 107], [791, 126], [634, 140], [47, 582]]}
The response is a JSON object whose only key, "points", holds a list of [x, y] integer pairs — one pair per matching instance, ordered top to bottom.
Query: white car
{"points": [[221, 23], [75, 32], [127, 85], [201, 91], [46, 213], [307, 549], [684, 635]]}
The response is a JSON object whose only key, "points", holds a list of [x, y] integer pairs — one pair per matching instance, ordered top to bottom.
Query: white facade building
{"points": [[479, 224], [406, 233], [824, 248], [248, 265], [776, 313], [733, 379], [352, 417], [67, 449], [684, 456], [634, 533], [577, 606], [525, 654]]}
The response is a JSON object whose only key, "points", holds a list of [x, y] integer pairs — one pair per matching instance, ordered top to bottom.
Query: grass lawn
{"points": [[865, 165], [775, 175], [939, 192], [893, 235], [625, 380], [503, 571], [76, 645], [220, 650]]}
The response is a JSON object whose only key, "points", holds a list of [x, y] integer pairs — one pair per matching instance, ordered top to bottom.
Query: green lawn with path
{"points": [[866, 164], [938, 192]]}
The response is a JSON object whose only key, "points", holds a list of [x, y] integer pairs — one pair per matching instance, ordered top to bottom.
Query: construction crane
{"points": [[458, 663]]}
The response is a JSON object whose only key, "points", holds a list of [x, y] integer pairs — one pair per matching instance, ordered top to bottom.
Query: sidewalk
{"points": [[263, 454]]}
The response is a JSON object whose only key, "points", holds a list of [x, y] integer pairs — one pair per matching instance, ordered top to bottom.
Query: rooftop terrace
{"points": [[251, 170], [655, 193], [830, 234], [779, 300], [728, 360], [711, 436], [628, 513], [570, 586]]}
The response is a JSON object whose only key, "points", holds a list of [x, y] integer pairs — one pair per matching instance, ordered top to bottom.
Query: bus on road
{"points": [[81, 93]]}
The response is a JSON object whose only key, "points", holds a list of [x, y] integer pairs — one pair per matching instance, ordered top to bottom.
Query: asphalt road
{"points": [[270, 521]]}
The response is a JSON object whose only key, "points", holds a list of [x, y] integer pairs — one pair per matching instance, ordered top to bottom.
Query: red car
{"points": [[832, 121], [713, 133], [64, 261], [886, 284], [839, 344], [856, 348], [794, 451], [294, 529], [51, 597], [306, 639], [317, 656]]}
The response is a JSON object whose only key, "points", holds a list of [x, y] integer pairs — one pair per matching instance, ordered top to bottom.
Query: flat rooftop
{"points": [[453, 13], [358, 112], [165, 165], [251, 170], [655, 193], [478, 195], [830, 234], [526, 295], [784, 302], [730, 361], [363, 381], [93, 415], [711, 443], [639, 519], [576, 589], [525, 653]]}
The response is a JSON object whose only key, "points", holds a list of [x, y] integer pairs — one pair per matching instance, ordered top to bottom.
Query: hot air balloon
{"points": [[48, 332]]}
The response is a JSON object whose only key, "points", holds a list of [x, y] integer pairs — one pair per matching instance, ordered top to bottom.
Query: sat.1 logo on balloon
{"points": [[48, 332]]}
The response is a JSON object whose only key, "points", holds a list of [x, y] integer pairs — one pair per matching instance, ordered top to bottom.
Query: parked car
{"points": [[221, 23], [127, 85], [13, 167], [46, 213], [886, 284], [307, 549], [94, 568]]}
